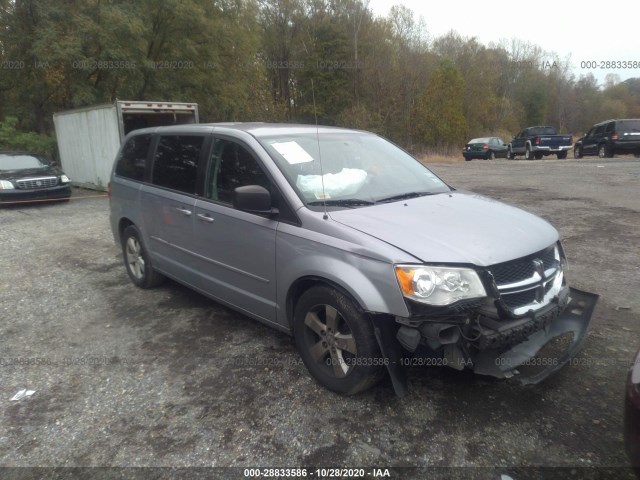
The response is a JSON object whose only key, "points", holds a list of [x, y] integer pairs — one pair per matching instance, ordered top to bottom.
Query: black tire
{"points": [[577, 152], [604, 152], [510, 154], [528, 154], [538, 155], [562, 155], [468, 159], [137, 261], [336, 341]]}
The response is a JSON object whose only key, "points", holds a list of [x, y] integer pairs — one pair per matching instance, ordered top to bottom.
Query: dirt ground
{"points": [[125, 377]]}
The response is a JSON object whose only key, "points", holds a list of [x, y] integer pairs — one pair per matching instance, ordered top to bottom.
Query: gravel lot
{"points": [[167, 378]]}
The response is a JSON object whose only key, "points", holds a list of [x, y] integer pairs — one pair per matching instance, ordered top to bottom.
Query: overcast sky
{"points": [[589, 31]]}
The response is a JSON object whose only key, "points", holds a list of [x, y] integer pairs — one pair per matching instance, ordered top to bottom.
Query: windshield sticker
{"points": [[292, 152], [322, 196]]}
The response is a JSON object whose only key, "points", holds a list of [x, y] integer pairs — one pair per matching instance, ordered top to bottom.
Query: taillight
{"points": [[614, 136], [536, 140], [485, 146]]}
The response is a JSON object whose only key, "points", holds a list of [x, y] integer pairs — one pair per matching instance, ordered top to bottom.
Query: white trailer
{"points": [[89, 138]]}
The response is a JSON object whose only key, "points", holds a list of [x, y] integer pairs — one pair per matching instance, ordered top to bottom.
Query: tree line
{"points": [[289, 60]]}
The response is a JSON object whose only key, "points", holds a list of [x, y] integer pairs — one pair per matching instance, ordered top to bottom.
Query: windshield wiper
{"points": [[404, 196], [346, 202]]}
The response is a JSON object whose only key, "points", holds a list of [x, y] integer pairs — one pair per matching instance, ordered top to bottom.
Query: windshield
{"points": [[479, 140], [20, 161], [357, 169]]}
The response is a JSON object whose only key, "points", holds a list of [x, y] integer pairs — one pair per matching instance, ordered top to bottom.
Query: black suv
{"points": [[609, 138]]}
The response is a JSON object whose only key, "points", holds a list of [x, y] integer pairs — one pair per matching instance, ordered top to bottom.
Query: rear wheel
{"points": [[604, 152], [510, 154], [528, 154], [538, 155], [136, 260], [336, 341]]}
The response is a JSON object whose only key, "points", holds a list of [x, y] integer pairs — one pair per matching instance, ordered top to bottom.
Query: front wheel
{"points": [[577, 152], [136, 260], [336, 341]]}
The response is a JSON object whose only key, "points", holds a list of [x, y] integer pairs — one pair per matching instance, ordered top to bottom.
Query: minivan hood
{"points": [[453, 227]]}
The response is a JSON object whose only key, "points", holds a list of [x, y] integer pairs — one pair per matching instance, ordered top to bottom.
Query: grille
{"points": [[35, 183], [511, 273], [531, 289], [515, 300]]}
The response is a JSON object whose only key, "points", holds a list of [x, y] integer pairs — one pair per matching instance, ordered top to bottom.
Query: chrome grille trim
{"points": [[36, 183], [531, 283]]}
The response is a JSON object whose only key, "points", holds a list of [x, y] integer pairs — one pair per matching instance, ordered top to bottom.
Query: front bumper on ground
{"points": [[62, 192], [545, 351], [541, 354]]}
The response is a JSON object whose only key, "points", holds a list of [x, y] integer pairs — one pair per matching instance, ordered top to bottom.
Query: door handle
{"points": [[183, 211], [204, 218]]}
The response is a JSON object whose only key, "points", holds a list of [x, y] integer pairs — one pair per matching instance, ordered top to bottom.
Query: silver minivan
{"points": [[345, 241]]}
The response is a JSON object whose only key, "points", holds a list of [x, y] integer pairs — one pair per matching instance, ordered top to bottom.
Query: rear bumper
{"points": [[626, 147], [542, 148], [473, 155], [62, 192]]}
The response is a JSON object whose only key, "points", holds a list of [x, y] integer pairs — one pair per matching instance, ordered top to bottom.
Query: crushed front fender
{"points": [[546, 351]]}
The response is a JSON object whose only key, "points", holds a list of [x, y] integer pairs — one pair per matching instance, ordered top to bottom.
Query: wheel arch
{"points": [[123, 223], [303, 284], [368, 297]]}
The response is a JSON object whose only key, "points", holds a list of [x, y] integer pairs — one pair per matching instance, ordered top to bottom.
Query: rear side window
{"points": [[629, 126], [133, 157], [175, 164]]}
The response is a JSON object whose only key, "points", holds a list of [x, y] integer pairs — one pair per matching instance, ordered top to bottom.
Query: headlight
{"points": [[64, 179], [6, 185], [439, 285]]}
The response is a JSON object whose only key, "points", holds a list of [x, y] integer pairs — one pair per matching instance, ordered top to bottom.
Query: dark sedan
{"points": [[485, 148], [26, 177], [632, 415]]}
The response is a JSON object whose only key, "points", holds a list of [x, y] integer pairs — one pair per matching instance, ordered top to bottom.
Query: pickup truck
{"points": [[536, 142]]}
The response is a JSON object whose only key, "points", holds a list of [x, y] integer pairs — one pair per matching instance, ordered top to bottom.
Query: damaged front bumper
{"points": [[545, 351], [527, 353]]}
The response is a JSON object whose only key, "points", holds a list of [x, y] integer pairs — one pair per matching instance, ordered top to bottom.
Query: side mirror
{"points": [[253, 199]]}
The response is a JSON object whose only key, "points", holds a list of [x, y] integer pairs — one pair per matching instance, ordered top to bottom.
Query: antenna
{"points": [[315, 114]]}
